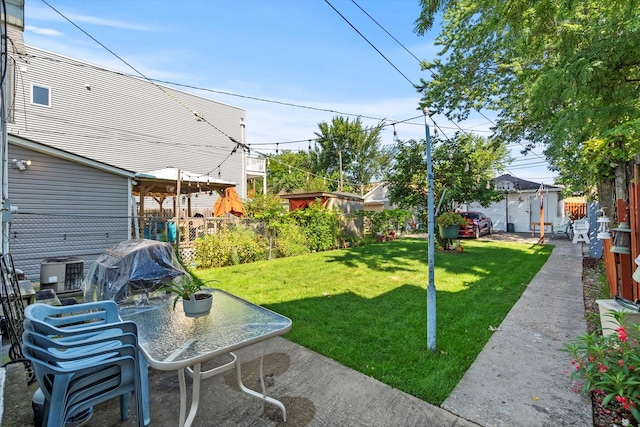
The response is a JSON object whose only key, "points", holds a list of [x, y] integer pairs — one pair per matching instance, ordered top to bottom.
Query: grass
{"points": [[366, 308]]}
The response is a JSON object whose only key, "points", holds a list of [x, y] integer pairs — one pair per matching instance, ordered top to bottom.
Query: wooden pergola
{"points": [[172, 182]]}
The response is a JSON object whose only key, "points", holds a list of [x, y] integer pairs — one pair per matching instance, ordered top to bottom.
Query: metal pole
{"points": [[4, 150], [340, 160], [431, 288]]}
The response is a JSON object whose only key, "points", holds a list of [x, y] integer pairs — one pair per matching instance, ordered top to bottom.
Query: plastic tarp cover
{"points": [[131, 270]]}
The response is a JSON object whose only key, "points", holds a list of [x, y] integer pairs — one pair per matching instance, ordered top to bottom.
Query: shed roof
{"points": [[524, 185], [321, 194]]}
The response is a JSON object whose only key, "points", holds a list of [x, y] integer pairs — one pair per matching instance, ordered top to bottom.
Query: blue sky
{"points": [[297, 52]]}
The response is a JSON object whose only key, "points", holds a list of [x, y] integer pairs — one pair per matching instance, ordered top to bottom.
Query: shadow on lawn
{"points": [[401, 254], [385, 336]]}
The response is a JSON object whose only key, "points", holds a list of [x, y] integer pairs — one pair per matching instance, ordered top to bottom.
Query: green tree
{"points": [[563, 74], [346, 147], [463, 168], [293, 172]]}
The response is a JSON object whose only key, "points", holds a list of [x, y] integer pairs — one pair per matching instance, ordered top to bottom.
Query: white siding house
{"points": [[125, 121], [87, 131], [521, 205]]}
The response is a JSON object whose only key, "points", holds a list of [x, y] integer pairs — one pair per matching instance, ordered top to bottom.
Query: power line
{"points": [[385, 30], [371, 44], [432, 73], [195, 114], [390, 123], [239, 144]]}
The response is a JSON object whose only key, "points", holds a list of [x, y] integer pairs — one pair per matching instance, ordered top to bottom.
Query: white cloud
{"points": [[36, 12], [77, 18], [43, 31]]}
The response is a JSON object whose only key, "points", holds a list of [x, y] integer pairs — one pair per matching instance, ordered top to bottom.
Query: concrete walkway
{"points": [[520, 378], [517, 380]]}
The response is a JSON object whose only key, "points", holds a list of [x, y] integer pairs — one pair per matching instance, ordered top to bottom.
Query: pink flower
{"points": [[622, 334], [602, 368]]}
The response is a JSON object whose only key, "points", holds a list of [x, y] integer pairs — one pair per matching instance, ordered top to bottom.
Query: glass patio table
{"points": [[172, 341]]}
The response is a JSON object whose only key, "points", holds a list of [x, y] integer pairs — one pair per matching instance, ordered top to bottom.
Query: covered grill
{"points": [[131, 269]]}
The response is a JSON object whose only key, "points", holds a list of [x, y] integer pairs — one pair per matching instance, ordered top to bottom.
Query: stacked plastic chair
{"points": [[83, 355]]}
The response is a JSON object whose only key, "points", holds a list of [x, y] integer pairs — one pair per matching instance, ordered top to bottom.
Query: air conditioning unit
{"points": [[62, 274]]}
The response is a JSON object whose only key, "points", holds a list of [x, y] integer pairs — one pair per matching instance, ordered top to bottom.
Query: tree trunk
{"points": [[621, 182], [607, 198]]}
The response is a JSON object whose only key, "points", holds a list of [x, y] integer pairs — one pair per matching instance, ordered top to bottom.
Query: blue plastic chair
{"points": [[72, 317], [79, 335], [74, 386]]}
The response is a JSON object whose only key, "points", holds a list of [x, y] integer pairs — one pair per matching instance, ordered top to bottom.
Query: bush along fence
{"points": [[200, 241]]}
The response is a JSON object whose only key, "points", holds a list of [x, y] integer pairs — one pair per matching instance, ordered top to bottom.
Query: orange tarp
{"points": [[229, 203]]}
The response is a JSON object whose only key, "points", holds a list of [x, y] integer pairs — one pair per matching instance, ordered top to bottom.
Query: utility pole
{"points": [[340, 160], [431, 287]]}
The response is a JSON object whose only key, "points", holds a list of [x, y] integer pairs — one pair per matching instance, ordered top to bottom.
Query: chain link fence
{"points": [[35, 238]]}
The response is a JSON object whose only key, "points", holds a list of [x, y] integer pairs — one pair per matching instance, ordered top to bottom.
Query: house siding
{"points": [[126, 121], [64, 209], [523, 209]]}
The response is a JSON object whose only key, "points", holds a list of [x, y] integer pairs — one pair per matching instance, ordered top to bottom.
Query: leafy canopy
{"points": [[564, 74], [345, 145], [463, 168]]}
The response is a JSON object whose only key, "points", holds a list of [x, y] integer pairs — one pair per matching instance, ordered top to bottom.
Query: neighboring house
{"points": [[124, 121], [87, 132], [378, 198], [347, 202], [521, 205]]}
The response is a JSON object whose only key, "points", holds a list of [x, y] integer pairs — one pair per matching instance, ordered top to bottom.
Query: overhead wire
{"points": [[370, 44], [432, 73], [200, 88], [195, 114], [240, 144]]}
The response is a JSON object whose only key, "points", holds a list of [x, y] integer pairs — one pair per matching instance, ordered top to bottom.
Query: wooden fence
{"points": [[577, 209], [620, 267]]}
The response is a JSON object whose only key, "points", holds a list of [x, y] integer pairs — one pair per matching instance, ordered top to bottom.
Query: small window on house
{"points": [[41, 95]]}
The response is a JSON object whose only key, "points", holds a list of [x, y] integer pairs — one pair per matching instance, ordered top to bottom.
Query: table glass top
{"points": [[172, 340]]}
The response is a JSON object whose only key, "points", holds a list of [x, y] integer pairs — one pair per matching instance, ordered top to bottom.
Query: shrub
{"points": [[321, 226], [290, 241], [230, 247]]}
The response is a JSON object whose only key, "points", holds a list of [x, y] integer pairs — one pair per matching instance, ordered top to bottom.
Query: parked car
{"points": [[478, 224]]}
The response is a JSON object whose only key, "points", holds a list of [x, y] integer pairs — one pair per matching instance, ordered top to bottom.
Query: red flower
{"points": [[622, 334]]}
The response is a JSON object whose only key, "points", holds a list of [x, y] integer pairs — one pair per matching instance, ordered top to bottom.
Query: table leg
{"points": [[262, 395], [183, 396], [195, 396]]}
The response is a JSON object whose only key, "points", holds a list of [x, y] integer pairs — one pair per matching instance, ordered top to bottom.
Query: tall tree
{"points": [[563, 74], [346, 148], [462, 167], [293, 172]]}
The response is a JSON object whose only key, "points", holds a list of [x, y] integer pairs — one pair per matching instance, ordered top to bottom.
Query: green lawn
{"points": [[365, 307]]}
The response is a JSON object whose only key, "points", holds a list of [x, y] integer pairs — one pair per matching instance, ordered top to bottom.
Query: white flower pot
{"points": [[198, 305]]}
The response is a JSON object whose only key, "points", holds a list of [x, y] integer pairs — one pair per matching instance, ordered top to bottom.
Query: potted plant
{"points": [[449, 224], [195, 301]]}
